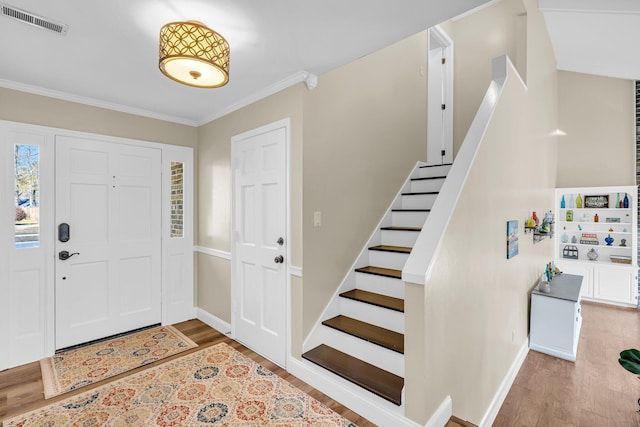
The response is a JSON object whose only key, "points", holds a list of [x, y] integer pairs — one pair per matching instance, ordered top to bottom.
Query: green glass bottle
{"points": [[578, 201]]}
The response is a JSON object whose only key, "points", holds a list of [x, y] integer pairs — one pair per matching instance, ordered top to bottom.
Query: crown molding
{"points": [[301, 76], [311, 80], [36, 90]]}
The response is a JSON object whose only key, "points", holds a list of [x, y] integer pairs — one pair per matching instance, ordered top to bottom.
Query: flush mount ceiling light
{"points": [[193, 54]]}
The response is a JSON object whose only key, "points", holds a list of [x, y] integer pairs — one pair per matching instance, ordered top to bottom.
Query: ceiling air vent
{"points": [[32, 19]]}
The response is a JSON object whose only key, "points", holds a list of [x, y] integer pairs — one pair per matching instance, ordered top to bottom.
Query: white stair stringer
{"points": [[399, 226]]}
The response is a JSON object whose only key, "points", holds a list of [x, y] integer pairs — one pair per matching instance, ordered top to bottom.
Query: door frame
{"points": [[440, 77], [286, 124], [181, 153]]}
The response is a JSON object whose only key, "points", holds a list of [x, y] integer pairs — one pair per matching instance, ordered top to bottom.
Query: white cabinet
{"points": [[595, 219], [615, 284], [556, 318]]}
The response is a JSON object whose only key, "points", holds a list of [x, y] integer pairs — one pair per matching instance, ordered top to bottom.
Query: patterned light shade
{"points": [[193, 54]]}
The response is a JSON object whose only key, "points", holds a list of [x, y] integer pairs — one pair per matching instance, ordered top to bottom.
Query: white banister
{"points": [[419, 264]]}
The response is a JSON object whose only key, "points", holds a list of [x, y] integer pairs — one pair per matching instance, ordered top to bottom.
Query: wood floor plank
{"points": [[21, 387], [593, 391]]}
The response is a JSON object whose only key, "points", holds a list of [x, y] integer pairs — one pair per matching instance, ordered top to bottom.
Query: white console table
{"points": [[556, 318]]}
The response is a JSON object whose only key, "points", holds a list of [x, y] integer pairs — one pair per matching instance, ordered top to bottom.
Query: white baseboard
{"points": [[214, 321], [497, 401], [376, 410], [440, 418]]}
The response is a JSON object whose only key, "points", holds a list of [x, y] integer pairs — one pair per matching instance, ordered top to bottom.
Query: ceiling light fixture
{"points": [[193, 54]]}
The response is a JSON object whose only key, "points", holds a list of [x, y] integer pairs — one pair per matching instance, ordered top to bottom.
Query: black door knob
{"points": [[279, 259]]}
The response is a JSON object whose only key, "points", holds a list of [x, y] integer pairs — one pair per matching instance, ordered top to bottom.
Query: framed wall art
{"points": [[512, 239]]}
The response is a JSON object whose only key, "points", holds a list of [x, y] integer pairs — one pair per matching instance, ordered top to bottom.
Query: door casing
{"points": [[182, 308]]}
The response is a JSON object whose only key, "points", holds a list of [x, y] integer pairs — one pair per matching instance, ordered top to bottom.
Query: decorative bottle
{"points": [[618, 200], [578, 201], [625, 201], [572, 202], [563, 204], [535, 218], [596, 218], [565, 237], [609, 240]]}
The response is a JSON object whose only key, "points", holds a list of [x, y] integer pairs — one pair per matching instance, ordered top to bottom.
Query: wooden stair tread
{"points": [[436, 166], [428, 178], [420, 193], [410, 210], [399, 228], [387, 248], [380, 271], [372, 298], [374, 334], [378, 381]]}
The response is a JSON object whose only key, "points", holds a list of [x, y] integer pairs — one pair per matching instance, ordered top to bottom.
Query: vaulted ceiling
{"points": [[599, 37]]}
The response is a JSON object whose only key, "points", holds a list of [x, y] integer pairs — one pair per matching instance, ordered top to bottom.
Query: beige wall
{"points": [[487, 34], [44, 111], [598, 116], [364, 129], [214, 193], [476, 301]]}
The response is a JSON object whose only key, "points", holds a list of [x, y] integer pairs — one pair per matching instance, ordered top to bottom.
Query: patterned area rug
{"points": [[79, 367], [213, 386]]}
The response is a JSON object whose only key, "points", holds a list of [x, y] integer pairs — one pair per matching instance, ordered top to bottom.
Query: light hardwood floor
{"points": [[21, 387], [595, 391]]}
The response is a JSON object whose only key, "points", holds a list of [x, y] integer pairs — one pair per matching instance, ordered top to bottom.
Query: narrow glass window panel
{"points": [[27, 196], [177, 199]]}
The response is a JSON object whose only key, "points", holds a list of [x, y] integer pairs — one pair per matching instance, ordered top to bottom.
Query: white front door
{"points": [[109, 195], [259, 275]]}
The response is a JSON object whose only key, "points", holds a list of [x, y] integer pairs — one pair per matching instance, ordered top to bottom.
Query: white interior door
{"points": [[440, 98], [109, 195], [259, 276]]}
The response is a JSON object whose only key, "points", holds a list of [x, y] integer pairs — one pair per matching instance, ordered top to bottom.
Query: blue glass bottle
{"points": [[625, 201], [562, 203]]}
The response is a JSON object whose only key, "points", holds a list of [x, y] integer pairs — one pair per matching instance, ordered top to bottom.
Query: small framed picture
{"points": [[596, 201], [512, 239]]}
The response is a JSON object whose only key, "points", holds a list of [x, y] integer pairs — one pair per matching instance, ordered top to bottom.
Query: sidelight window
{"points": [[27, 196], [177, 199]]}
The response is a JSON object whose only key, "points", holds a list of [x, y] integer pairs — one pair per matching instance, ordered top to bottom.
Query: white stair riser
{"points": [[433, 171], [425, 185], [418, 201], [408, 219], [399, 238], [394, 260], [380, 285], [383, 317], [381, 357]]}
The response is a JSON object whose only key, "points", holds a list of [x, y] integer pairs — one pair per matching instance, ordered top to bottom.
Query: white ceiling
{"points": [[599, 37], [109, 56]]}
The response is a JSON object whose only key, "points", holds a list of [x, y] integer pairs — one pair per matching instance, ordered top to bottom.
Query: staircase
{"points": [[361, 338]]}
